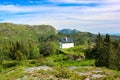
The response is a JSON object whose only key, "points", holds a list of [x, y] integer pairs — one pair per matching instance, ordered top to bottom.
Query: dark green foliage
{"points": [[99, 42], [48, 48], [19, 50], [103, 51], [106, 52], [91, 53], [1, 57], [114, 61], [10, 64]]}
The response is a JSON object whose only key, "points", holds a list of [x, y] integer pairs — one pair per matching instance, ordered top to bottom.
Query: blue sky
{"points": [[85, 15]]}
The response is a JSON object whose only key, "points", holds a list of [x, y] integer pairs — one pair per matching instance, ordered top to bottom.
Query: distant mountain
{"points": [[68, 31], [115, 34]]}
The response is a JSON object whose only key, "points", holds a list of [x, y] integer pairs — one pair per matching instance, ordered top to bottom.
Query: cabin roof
{"points": [[66, 40]]}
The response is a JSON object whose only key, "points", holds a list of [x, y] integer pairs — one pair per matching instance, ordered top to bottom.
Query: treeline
{"points": [[26, 49], [18, 50], [106, 52]]}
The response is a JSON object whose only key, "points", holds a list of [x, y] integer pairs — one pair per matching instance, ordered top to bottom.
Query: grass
{"points": [[77, 50], [75, 63], [14, 69], [60, 70], [12, 73], [111, 74]]}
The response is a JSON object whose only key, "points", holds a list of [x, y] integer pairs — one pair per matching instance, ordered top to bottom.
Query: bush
{"points": [[48, 48], [60, 57], [32, 62], [45, 62], [10, 64], [1, 68], [63, 73], [78, 77]]}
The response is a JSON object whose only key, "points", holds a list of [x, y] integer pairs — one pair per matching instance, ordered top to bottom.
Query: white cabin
{"points": [[66, 43]]}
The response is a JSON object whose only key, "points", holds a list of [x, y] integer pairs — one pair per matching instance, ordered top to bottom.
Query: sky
{"points": [[84, 15]]}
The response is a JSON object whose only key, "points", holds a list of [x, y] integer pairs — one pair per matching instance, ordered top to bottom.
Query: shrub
{"points": [[32, 62], [45, 62], [10, 64], [63, 73], [75, 76]]}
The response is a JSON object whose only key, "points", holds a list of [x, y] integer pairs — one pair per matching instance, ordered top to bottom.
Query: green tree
{"points": [[48, 48], [99, 48], [107, 50], [115, 56]]}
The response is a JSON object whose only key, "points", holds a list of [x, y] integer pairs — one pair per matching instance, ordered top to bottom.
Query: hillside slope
{"points": [[44, 30], [12, 31], [16, 32]]}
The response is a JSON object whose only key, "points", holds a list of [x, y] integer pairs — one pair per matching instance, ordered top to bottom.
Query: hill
{"points": [[44, 30], [12, 31]]}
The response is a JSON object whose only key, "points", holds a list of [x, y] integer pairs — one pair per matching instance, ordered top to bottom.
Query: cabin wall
{"points": [[66, 45]]}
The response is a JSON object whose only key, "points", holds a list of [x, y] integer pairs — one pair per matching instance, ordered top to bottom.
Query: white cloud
{"points": [[75, 1], [87, 1], [12, 8], [15, 8], [105, 17]]}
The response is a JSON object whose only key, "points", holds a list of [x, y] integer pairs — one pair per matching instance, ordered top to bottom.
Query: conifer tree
{"points": [[99, 48], [107, 50]]}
